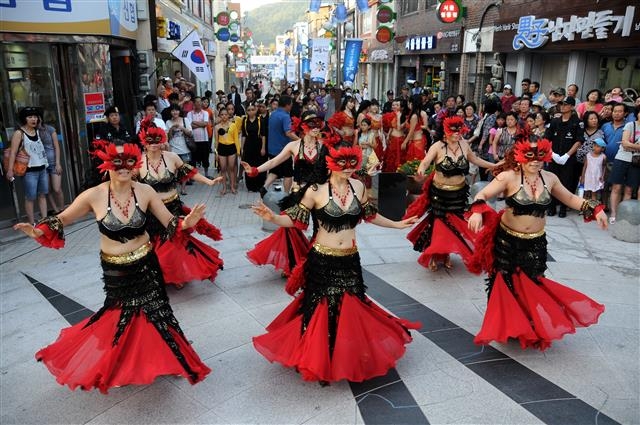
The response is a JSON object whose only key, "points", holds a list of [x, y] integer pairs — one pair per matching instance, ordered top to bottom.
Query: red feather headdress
{"points": [[453, 125], [150, 134], [329, 137], [524, 152], [129, 158], [344, 158]]}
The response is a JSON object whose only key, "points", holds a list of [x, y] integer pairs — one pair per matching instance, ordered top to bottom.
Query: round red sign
{"points": [[449, 11], [384, 15], [223, 19], [384, 34]]}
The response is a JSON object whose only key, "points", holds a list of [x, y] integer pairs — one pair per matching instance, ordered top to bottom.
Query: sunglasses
{"points": [[122, 163]]}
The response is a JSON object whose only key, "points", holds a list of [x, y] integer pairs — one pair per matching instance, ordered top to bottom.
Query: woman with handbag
{"points": [[180, 139], [28, 159]]}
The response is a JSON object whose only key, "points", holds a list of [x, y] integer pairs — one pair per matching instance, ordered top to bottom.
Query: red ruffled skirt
{"points": [[393, 155], [444, 230], [283, 249], [186, 258], [525, 305], [332, 330], [132, 339]]}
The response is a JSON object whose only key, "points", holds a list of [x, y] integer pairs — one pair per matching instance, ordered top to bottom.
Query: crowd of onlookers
{"points": [[596, 139]]}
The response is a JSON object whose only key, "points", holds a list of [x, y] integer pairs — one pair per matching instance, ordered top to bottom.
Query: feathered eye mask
{"points": [[453, 125], [152, 136], [524, 152], [130, 158], [345, 158]]}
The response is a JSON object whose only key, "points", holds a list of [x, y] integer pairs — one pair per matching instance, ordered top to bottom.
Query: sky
{"points": [[252, 4]]}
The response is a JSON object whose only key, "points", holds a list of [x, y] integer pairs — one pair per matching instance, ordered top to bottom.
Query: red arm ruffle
{"points": [[338, 120], [388, 121], [186, 172], [420, 205], [591, 216], [203, 227], [52, 232], [482, 258]]}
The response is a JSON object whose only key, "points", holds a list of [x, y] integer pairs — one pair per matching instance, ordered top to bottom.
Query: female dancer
{"points": [[343, 121], [393, 123], [376, 125], [415, 141], [254, 145], [227, 148], [445, 195], [286, 247], [512, 248], [187, 259], [332, 330], [134, 337]]}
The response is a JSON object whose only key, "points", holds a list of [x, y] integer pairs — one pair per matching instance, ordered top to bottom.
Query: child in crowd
{"points": [[593, 171]]}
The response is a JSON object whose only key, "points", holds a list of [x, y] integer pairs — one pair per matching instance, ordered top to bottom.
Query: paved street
{"points": [[589, 377]]}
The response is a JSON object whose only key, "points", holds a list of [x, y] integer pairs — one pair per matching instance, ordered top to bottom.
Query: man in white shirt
{"points": [[150, 110], [199, 119]]}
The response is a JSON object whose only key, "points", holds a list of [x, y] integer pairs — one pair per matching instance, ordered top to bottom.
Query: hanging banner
{"points": [[191, 53], [351, 58], [319, 60], [306, 66], [291, 70]]}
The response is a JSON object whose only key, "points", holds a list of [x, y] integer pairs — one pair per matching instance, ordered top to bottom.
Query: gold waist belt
{"points": [[449, 187], [171, 198], [521, 235], [335, 252], [128, 257]]}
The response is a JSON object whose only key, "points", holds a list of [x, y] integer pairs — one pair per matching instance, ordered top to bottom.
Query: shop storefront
{"points": [[592, 44], [432, 59], [72, 61], [379, 65]]}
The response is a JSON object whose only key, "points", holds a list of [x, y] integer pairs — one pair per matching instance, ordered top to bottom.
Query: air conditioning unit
{"points": [[144, 60], [496, 71], [144, 82]]}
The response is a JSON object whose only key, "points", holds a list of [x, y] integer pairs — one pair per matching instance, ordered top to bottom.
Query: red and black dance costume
{"points": [[393, 155], [443, 230], [288, 246], [187, 259], [523, 303], [332, 330], [134, 337]]}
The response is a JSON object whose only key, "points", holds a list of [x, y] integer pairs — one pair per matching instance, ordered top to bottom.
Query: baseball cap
{"points": [[507, 86], [389, 91], [560, 91], [569, 101], [111, 110], [600, 142]]}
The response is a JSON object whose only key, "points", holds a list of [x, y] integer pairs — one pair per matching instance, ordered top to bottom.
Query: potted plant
{"points": [[414, 181]]}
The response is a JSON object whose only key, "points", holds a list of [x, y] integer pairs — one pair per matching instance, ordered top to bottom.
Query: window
{"points": [[431, 4], [409, 6], [207, 12], [366, 22]]}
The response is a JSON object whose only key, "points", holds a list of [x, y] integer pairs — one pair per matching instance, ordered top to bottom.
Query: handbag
{"points": [[191, 143], [21, 162]]}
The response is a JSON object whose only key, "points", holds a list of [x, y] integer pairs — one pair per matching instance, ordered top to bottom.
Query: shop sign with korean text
{"points": [[581, 25]]}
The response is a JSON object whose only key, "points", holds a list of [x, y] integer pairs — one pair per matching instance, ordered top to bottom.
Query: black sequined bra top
{"points": [[303, 164], [449, 168], [164, 183], [522, 204], [334, 219], [114, 229]]}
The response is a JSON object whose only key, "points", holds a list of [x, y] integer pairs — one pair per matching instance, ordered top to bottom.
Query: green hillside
{"points": [[272, 19]]}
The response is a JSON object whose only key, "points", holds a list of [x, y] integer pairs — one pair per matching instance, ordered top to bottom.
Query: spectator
{"points": [[524, 87], [572, 91], [489, 94], [616, 94], [536, 95], [555, 96], [249, 98], [507, 98], [174, 99], [234, 99], [163, 102], [592, 103], [386, 107], [524, 109], [150, 111], [447, 112], [199, 119], [540, 124], [179, 127], [613, 130], [592, 132], [280, 133], [566, 134], [49, 139], [624, 172]]}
